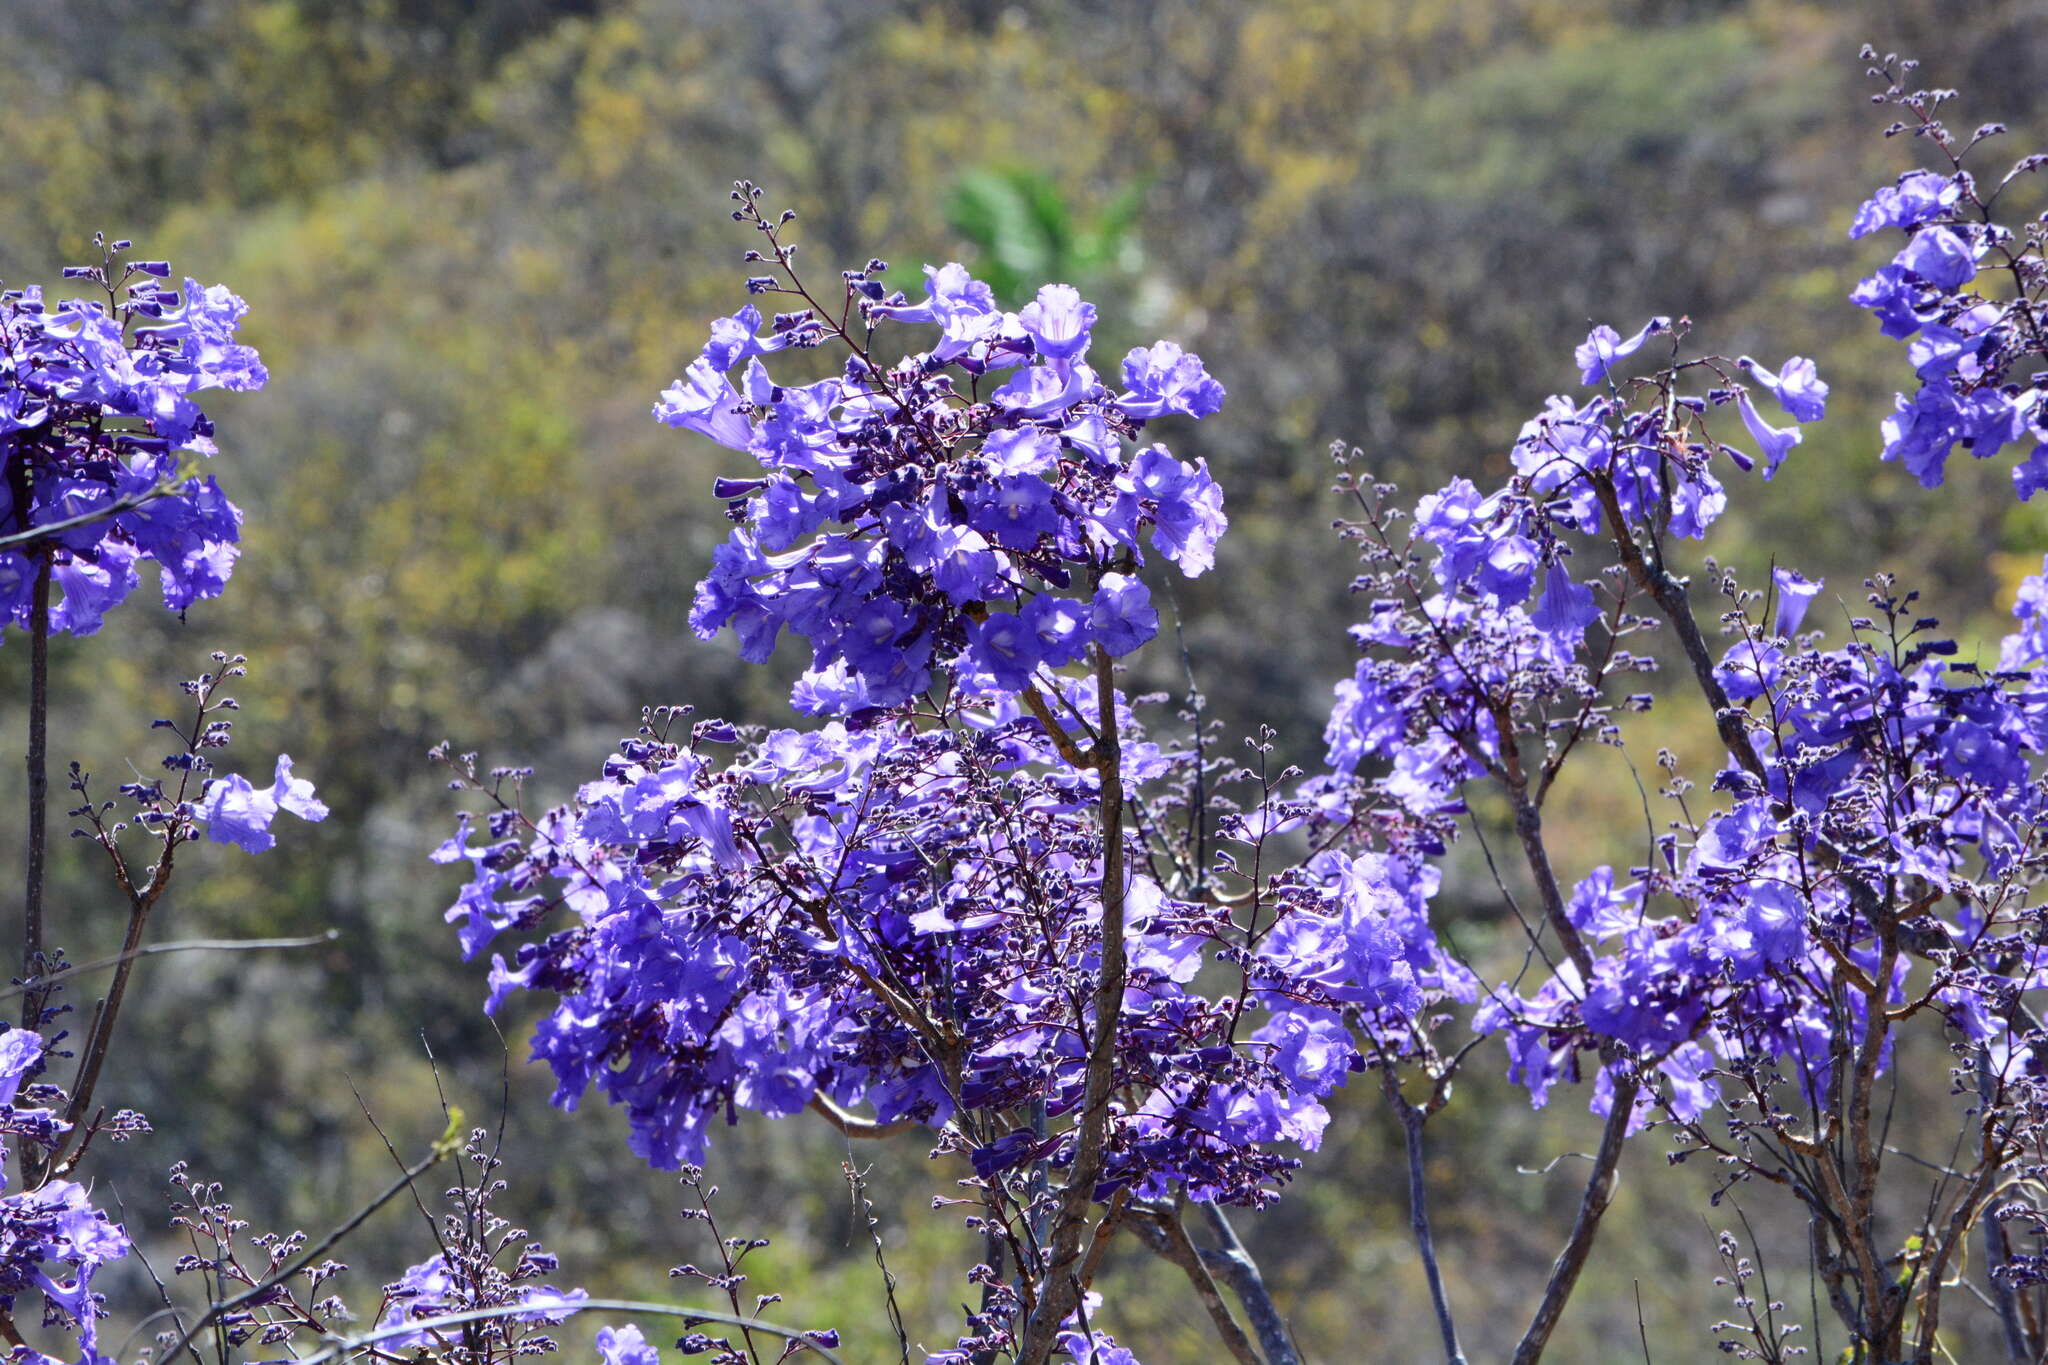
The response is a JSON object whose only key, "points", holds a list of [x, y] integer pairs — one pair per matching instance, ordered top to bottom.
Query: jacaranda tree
{"points": [[1108, 974]]}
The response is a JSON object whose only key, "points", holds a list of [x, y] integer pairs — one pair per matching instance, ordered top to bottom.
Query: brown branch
{"points": [[1669, 594], [1062, 742], [38, 787], [1411, 1117], [853, 1125], [1964, 1214], [1105, 1233], [1168, 1237], [1855, 1242], [1997, 1254], [1241, 1273], [1564, 1273], [1041, 1330]]}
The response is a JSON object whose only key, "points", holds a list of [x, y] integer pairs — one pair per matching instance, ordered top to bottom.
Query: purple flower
{"points": [[1918, 196], [1941, 256], [1899, 305], [963, 306], [1058, 322], [734, 339], [1603, 346], [1167, 379], [1798, 389], [1041, 391], [704, 401], [1922, 430], [1774, 442], [1021, 450], [2029, 477], [1696, 504], [1016, 511], [1188, 516], [1450, 519], [1507, 571], [1795, 595], [1566, 608], [1121, 616], [1061, 625], [870, 641], [1006, 650], [1364, 722], [1978, 753], [295, 794], [236, 813], [239, 814], [1731, 839], [1598, 909], [1767, 930], [20, 1050], [54, 1240], [625, 1346], [1101, 1350]]}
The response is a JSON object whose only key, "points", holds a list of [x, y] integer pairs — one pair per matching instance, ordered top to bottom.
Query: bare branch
{"points": [[188, 945], [853, 1125], [1418, 1214], [1163, 1231], [1238, 1270], [1564, 1273], [1041, 1331]]}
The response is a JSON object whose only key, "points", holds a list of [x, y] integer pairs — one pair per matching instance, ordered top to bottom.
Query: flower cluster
{"points": [[1965, 294], [99, 429], [919, 516], [1503, 627], [1855, 769], [232, 809], [1873, 854], [978, 899], [909, 919], [52, 1238]]}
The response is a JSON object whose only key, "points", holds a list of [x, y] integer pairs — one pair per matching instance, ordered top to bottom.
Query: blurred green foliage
{"points": [[1025, 233], [477, 240]]}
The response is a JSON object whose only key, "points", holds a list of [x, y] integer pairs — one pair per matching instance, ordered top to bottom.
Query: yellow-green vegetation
{"points": [[477, 240]]}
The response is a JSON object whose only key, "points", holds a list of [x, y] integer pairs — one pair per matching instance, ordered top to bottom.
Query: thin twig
{"points": [[48, 531], [188, 945]]}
